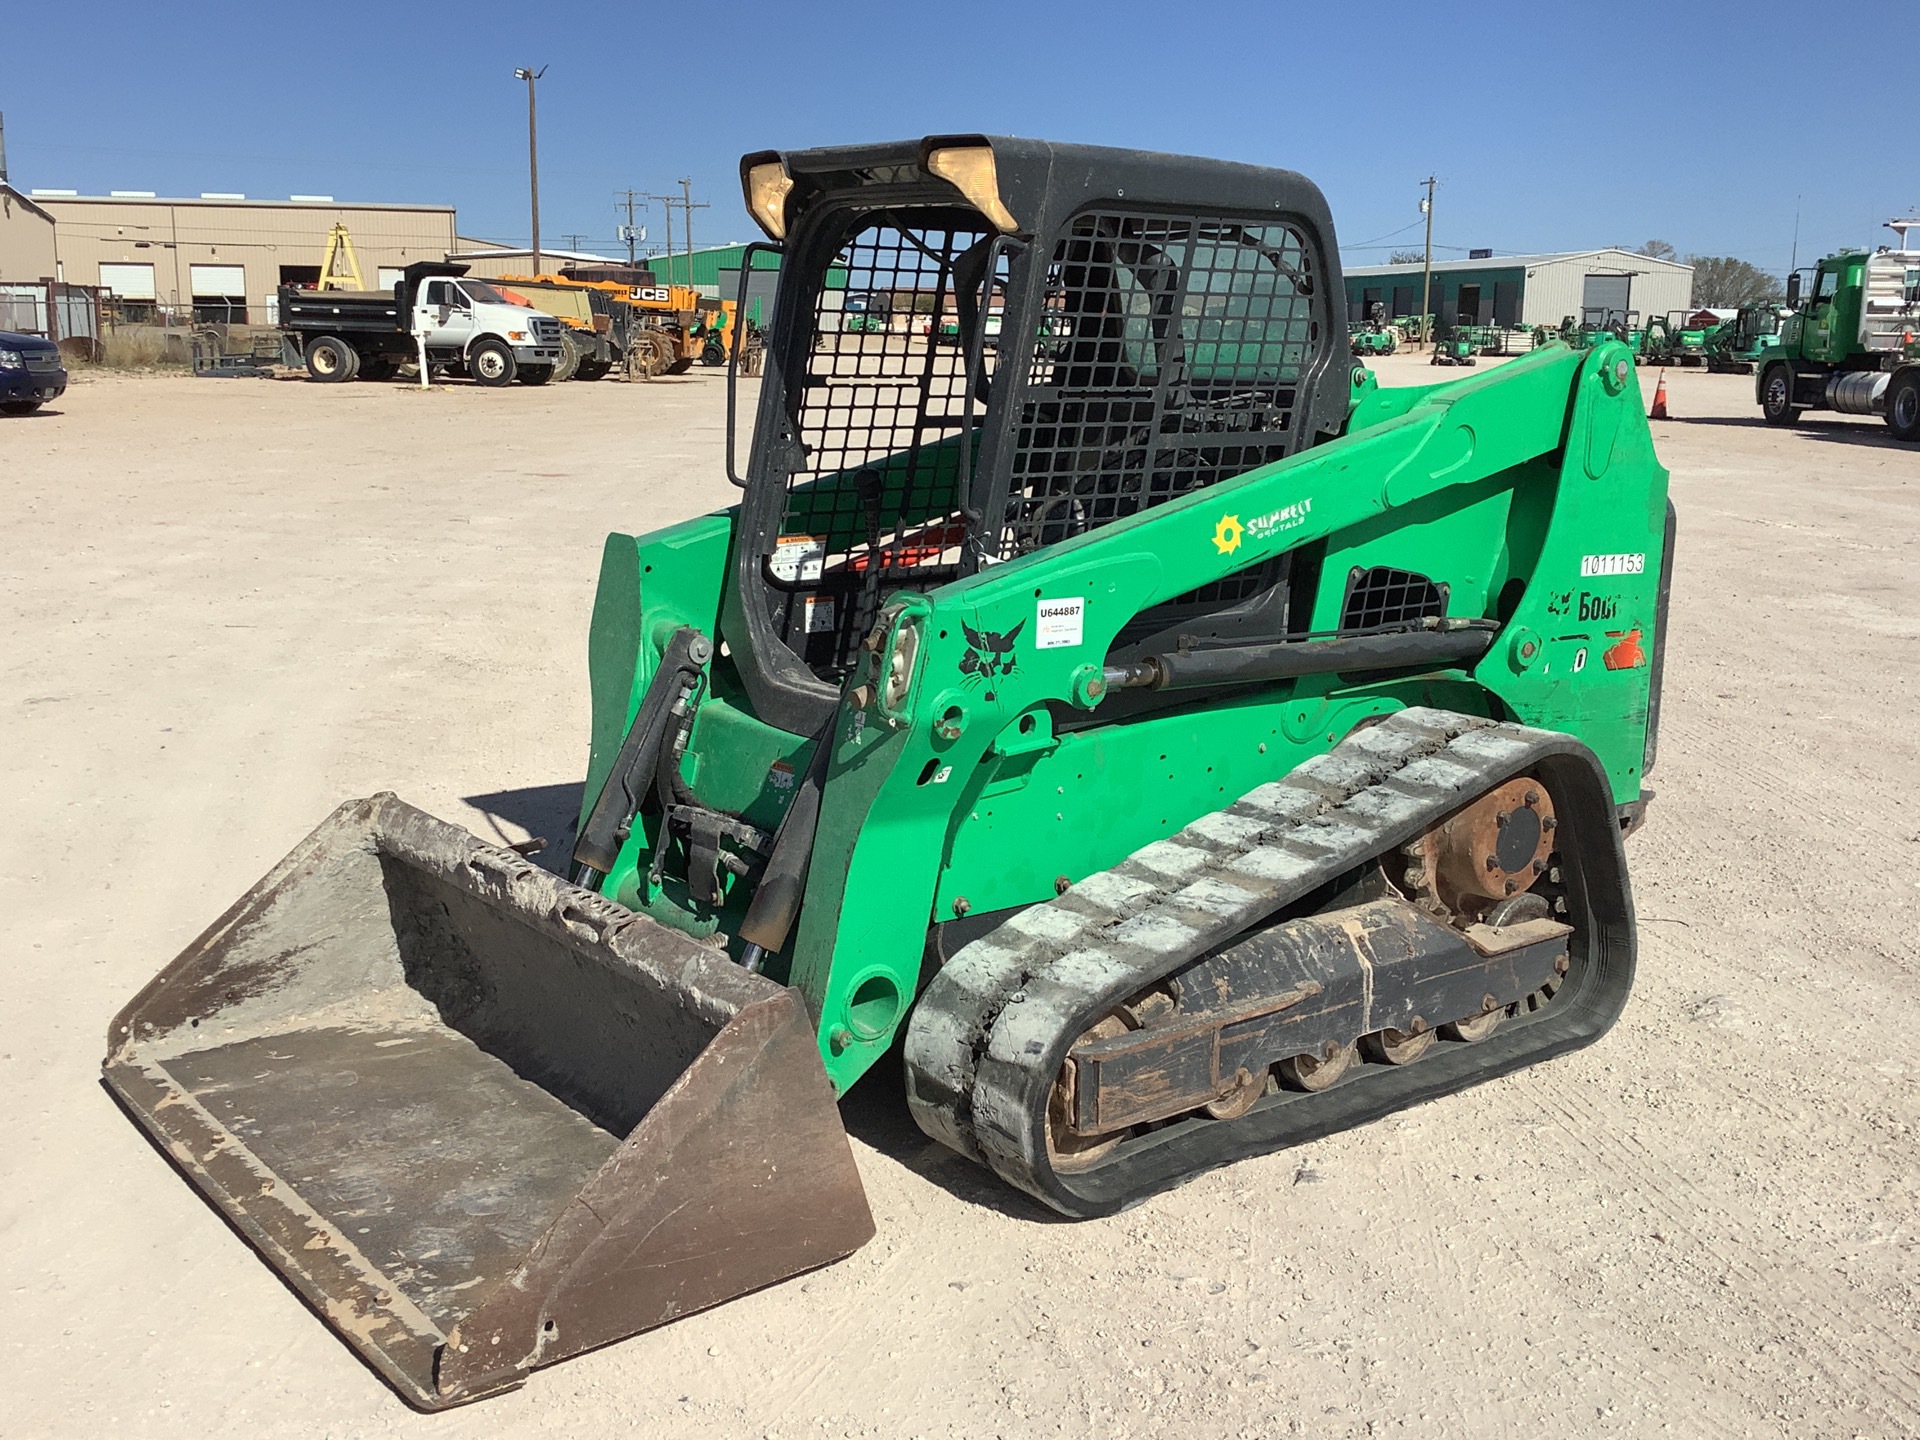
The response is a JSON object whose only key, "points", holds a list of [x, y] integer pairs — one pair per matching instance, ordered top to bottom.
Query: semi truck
{"points": [[469, 327], [1852, 346]]}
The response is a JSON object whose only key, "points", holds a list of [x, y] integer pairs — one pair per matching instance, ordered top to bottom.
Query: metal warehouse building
{"points": [[27, 250], [222, 257], [485, 261], [716, 272], [1525, 289]]}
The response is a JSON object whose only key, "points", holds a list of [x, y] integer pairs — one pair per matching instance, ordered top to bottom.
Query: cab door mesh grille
{"points": [[1169, 358], [879, 409]]}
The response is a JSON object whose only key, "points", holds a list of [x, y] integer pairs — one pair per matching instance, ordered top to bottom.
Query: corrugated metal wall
{"points": [[175, 236], [26, 241], [708, 265], [1447, 285], [1556, 289], [1542, 293]]}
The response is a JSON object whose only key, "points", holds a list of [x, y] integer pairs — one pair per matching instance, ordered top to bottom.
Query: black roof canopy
{"points": [[1040, 182]]}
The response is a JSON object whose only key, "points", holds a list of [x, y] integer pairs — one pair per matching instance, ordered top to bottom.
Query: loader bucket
{"points": [[481, 1119]]}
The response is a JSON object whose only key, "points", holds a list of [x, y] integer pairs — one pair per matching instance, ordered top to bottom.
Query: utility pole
{"points": [[530, 75], [667, 202], [687, 207], [628, 232], [573, 241], [1426, 273]]}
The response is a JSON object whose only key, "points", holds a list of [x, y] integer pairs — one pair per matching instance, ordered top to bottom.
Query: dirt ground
{"points": [[231, 604]]}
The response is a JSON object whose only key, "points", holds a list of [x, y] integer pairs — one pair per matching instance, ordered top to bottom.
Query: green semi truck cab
{"points": [[1853, 342]]}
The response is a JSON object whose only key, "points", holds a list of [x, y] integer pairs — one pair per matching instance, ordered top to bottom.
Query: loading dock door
{"points": [[127, 282], [219, 293], [1606, 293], [1506, 303]]}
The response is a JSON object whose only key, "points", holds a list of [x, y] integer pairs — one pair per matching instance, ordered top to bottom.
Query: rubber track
{"points": [[989, 1034]]}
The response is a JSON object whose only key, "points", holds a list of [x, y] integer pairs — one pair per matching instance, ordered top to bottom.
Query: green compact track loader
{"points": [[1131, 730]]}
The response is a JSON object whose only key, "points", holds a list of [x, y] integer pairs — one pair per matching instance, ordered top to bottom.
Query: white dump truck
{"points": [[469, 328]]}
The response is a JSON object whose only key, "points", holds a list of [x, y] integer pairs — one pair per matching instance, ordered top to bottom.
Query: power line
{"points": [[1373, 243]]}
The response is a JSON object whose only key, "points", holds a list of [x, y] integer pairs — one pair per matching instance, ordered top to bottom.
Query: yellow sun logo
{"points": [[1226, 535]]}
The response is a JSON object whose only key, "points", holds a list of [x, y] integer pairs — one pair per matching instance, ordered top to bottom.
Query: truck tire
{"points": [[570, 357], [331, 360], [490, 362], [376, 367], [592, 369], [534, 374], [1776, 396], [1903, 406]]}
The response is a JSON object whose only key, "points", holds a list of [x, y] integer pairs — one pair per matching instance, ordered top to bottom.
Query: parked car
{"points": [[30, 373]]}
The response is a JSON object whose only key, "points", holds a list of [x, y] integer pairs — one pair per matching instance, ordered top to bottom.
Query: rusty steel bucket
{"points": [[479, 1118]]}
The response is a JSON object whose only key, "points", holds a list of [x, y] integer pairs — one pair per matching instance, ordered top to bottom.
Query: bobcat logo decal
{"points": [[989, 655]]}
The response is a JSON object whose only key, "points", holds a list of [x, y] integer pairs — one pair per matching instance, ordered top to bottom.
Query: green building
{"points": [[716, 272]]}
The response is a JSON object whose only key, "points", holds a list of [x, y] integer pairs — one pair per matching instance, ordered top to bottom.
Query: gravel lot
{"points": [[231, 604]]}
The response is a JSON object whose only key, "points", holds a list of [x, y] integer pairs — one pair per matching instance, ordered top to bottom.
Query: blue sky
{"points": [[1550, 125]]}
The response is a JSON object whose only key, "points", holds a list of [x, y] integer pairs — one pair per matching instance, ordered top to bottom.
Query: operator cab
{"points": [[1130, 327]]}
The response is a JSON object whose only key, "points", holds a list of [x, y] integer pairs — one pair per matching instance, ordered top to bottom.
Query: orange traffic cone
{"points": [[1659, 411]]}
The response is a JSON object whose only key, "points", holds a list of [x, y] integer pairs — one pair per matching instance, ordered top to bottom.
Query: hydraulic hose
{"points": [[634, 768], [776, 900]]}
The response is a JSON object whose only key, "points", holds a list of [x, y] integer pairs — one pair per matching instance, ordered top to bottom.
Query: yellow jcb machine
{"points": [[632, 321]]}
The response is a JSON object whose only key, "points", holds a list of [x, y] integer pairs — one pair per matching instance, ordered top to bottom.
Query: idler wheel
{"points": [[1399, 1047], [1316, 1072]]}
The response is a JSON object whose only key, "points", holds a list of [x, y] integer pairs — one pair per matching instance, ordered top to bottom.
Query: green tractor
{"points": [[866, 312], [1598, 324], [1593, 326], [1373, 336], [1677, 338], [1486, 340], [1369, 341], [1741, 343], [1454, 345], [1853, 345], [1135, 735]]}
